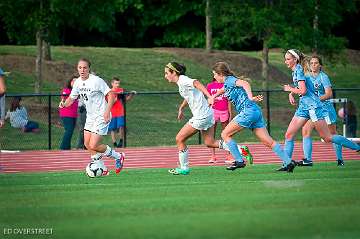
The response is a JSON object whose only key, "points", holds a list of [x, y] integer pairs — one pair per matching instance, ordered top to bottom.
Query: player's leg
{"points": [[294, 126], [232, 128], [185, 132], [324, 132], [264, 137], [307, 144], [337, 148], [212, 150], [95, 156]]}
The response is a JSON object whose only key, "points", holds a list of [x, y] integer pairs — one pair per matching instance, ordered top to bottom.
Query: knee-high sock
{"points": [[341, 140], [289, 147], [307, 148], [234, 150], [338, 151], [109, 152], [282, 154], [184, 158]]}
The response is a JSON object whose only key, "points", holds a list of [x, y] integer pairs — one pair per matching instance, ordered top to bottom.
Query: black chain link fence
{"points": [[151, 120]]}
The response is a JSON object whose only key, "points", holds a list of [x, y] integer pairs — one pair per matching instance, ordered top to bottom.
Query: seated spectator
{"points": [[19, 117]]}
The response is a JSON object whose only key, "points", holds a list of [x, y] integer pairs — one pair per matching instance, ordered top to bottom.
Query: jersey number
{"points": [[84, 97]]}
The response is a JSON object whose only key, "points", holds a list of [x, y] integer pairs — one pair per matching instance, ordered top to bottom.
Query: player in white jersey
{"points": [[92, 91], [203, 120]]}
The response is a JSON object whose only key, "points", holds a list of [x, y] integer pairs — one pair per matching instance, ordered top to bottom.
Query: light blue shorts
{"points": [[313, 114], [330, 114], [250, 117]]}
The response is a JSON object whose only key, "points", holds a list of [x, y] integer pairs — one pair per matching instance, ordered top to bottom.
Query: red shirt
{"points": [[117, 109]]}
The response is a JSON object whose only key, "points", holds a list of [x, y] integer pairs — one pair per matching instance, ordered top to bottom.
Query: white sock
{"points": [[223, 145], [111, 153], [184, 158]]}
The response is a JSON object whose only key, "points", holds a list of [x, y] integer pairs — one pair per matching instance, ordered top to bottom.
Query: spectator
{"points": [[2, 97], [117, 111], [68, 115], [19, 117], [351, 119]]}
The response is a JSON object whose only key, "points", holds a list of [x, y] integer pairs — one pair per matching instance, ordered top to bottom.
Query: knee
{"points": [[305, 132], [289, 136], [178, 139], [327, 139]]}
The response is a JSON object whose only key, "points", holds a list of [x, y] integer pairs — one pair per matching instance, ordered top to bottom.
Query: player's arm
{"points": [[2, 85], [246, 86], [203, 89], [301, 90], [328, 94], [66, 103], [181, 110]]}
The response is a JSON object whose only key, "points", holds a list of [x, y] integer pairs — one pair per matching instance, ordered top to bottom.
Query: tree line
{"points": [[208, 24]]}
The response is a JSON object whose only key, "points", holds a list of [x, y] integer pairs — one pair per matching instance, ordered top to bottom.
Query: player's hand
{"points": [[287, 88], [258, 98], [292, 99], [211, 100], [62, 104], [180, 115], [107, 117], [1, 123]]}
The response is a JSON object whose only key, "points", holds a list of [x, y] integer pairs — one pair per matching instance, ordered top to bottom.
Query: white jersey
{"points": [[91, 92], [195, 98]]}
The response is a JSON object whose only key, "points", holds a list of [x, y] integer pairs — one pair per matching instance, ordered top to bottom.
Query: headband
{"points": [[292, 52], [170, 66]]}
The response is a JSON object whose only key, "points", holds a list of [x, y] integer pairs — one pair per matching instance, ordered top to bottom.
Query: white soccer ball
{"points": [[94, 170]]}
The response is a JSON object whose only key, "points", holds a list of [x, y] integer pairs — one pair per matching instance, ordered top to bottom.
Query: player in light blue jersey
{"points": [[323, 89], [238, 91], [310, 106]]}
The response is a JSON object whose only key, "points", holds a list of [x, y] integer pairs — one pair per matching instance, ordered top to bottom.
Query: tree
{"points": [[208, 28]]}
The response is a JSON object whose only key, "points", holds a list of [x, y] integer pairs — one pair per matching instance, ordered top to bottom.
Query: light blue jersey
{"points": [[320, 82], [310, 100], [249, 113]]}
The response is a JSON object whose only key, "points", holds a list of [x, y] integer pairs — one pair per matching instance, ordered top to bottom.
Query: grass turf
{"points": [[256, 202]]}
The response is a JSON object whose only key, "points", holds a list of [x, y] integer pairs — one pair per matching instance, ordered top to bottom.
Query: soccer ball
{"points": [[94, 170]]}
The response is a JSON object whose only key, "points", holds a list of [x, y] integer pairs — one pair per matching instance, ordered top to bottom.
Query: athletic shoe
{"points": [[245, 152], [229, 159], [212, 160], [304, 162], [119, 163], [340, 163], [236, 165], [288, 168], [179, 171], [105, 173]]}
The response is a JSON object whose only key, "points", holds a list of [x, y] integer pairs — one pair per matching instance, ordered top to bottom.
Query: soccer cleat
{"points": [[245, 152], [212, 160], [304, 162], [119, 163], [340, 163], [236, 165], [288, 168], [179, 171]]}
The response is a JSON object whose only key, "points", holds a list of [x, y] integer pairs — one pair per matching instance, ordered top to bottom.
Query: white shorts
{"points": [[202, 124], [97, 126]]}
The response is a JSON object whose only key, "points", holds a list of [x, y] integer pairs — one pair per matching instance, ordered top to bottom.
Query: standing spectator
{"points": [[2, 97], [117, 112], [68, 115], [19, 117], [351, 119]]}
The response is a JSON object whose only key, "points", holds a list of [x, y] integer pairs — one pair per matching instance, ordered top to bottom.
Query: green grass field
{"points": [[318, 202]]}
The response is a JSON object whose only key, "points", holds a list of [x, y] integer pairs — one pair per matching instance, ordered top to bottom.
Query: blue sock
{"points": [[341, 140], [233, 147], [289, 147], [307, 148], [338, 151], [282, 154]]}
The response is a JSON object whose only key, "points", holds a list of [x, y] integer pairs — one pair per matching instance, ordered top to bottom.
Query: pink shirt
{"points": [[221, 102], [70, 111]]}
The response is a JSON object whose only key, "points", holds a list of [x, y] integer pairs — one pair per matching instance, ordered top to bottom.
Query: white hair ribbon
{"points": [[292, 52]]}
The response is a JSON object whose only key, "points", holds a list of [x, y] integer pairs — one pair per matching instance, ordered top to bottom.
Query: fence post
{"points": [[123, 99], [268, 110], [49, 121]]}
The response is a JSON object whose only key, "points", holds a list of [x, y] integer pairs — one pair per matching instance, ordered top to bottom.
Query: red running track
{"points": [[149, 157]]}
